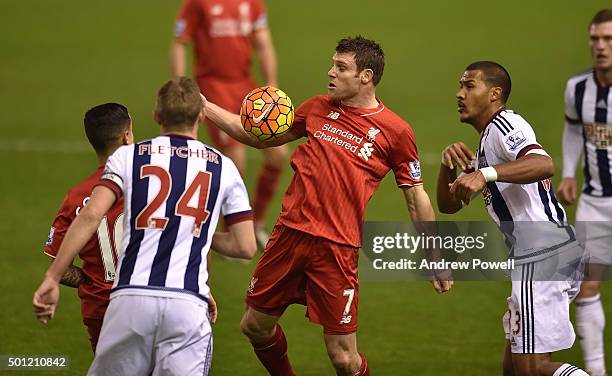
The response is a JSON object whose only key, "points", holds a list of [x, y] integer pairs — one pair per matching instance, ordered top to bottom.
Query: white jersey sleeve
{"points": [[571, 116], [512, 137], [115, 171], [235, 205]]}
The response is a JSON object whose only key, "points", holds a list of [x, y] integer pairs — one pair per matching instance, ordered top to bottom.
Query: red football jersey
{"points": [[221, 33], [338, 169], [99, 254]]}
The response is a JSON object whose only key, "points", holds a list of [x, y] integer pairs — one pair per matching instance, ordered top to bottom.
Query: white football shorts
{"points": [[594, 228], [537, 320], [152, 334]]}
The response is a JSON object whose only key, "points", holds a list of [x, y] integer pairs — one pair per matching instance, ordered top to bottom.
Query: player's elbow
{"points": [[549, 167], [448, 209], [91, 215]]}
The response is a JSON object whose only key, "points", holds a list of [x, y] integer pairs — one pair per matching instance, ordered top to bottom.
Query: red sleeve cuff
{"points": [[526, 149], [112, 186], [232, 219]]}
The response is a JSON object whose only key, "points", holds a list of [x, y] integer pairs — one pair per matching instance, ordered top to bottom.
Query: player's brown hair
{"points": [[604, 15], [368, 54], [494, 75], [178, 104], [105, 125]]}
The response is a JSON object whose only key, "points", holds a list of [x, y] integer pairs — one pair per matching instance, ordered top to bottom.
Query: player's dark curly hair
{"points": [[604, 15], [368, 54], [494, 75], [105, 125]]}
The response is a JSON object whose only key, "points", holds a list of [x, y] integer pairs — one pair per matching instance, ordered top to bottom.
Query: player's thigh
{"points": [[276, 156], [594, 231], [279, 278], [332, 288], [537, 320], [126, 339], [184, 341], [530, 364]]}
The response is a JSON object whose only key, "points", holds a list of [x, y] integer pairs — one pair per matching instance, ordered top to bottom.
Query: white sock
{"points": [[590, 323], [569, 370]]}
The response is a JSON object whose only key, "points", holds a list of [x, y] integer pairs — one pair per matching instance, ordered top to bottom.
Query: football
{"points": [[266, 113]]}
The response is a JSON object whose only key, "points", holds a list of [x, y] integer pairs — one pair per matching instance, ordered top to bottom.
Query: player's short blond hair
{"points": [[178, 104]]}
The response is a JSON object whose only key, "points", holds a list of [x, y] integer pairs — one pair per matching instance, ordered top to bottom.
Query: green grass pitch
{"points": [[59, 58]]}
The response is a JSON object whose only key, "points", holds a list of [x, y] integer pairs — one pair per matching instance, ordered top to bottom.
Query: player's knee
{"points": [[588, 289], [254, 331], [342, 362]]}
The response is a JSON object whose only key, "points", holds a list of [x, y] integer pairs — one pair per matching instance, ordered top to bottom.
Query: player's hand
{"points": [[457, 154], [465, 187], [567, 191], [442, 282], [45, 300], [213, 312]]}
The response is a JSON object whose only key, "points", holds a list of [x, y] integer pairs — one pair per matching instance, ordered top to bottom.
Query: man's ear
{"points": [[366, 76], [495, 94], [156, 117]]}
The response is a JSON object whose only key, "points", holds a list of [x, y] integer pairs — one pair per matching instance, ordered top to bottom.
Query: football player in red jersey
{"points": [[224, 34], [107, 127], [352, 141]]}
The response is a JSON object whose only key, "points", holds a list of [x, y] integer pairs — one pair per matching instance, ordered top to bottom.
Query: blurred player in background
{"points": [[224, 34], [107, 126], [588, 128], [352, 142], [513, 172], [174, 189]]}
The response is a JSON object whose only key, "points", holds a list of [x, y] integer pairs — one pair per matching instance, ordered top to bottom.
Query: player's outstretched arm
{"points": [[230, 124], [422, 213], [84, 226], [239, 242], [73, 277]]}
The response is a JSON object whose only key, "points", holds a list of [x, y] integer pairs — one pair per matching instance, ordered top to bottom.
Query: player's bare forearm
{"points": [[262, 42], [177, 59], [231, 124], [528, 169], [446, 202], [419, 205], [80, 231], [239, 242], [73, 277]]}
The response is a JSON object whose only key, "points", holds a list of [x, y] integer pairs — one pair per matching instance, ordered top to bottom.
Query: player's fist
{"points": [[457, 154], [467, 186], [567, 191], [45, 300]]}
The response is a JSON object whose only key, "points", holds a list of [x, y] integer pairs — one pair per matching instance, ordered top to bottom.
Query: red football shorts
{"points": [[228, 95], [296, 267], [93, 328]]}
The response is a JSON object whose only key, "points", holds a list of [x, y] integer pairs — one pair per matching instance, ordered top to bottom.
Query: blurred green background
{"points": [[59, 58]]}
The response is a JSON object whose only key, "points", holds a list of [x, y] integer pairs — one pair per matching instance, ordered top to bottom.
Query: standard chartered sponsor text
{"points": [[339, 137]]}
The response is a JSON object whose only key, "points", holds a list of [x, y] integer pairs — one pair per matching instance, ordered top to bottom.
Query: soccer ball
{"points": [[266, 113]]}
